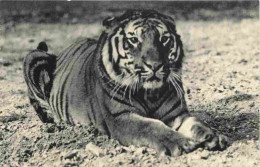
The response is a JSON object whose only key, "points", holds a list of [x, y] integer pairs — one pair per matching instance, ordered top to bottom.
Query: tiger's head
{"points": [[142, 50]]}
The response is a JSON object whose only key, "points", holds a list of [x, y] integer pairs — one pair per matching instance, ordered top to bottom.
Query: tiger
{"points": [[127, 83]]}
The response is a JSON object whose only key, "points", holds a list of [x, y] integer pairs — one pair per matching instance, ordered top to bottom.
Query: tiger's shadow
{"points": [[235, 125]]}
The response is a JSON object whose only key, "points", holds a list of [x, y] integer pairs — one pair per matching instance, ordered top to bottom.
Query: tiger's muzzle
{"points": [[153, 76]]}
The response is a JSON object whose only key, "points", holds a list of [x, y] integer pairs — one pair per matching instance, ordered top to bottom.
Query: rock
{"points": [[31, 40], [218, 54], [5, 63], [188, 91], [220, 91], [252, 104], [49, 128], [130, 149], [200, 149], [95, 150], [121, 150], [141, 150], [215, 152], [205, 154], [70, 155], [131, 161]]}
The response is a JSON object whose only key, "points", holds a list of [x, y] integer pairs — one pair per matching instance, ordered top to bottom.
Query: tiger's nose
{"points": [[155, 66]]}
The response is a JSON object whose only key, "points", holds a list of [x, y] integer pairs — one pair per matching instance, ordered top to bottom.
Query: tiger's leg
{"points": [[38, 72], [130, 128], [195, 129]]}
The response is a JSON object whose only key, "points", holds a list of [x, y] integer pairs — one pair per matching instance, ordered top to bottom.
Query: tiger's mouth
{"points": [[142, 78], [152, 80], [152, 84]]}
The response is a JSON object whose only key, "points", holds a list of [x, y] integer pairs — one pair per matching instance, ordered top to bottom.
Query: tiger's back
{"points": [[74, 62]]}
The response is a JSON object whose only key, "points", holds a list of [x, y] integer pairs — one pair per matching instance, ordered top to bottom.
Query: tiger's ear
{"points": [[109, 22], [171, 23]]}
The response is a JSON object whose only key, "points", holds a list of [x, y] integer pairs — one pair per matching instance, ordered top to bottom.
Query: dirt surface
{"points": [[221, 79]]}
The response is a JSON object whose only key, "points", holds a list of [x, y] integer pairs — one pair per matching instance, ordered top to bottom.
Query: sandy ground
{"points": [[221, 78]]}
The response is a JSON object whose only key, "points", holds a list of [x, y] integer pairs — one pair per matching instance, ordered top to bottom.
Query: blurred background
{"points": [[13, 12], [26, 23]]}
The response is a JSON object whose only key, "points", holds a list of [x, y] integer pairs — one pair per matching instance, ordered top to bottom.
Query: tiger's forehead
{"points": [[138, 26]]}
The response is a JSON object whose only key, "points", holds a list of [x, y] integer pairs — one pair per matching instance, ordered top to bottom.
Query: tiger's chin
{"points": [[152, 84]]}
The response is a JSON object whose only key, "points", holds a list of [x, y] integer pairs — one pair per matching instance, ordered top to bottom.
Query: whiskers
{"points": [[174, 78], [131, 84]]}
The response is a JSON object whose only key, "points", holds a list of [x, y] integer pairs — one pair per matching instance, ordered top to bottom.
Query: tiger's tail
{"points": [[39, 67]]}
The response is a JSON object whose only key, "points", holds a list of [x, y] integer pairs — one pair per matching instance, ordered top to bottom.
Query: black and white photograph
{"points": [[129, 83]]}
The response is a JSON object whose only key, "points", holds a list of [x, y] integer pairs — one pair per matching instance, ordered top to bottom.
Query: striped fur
{"points": [[38, 70], [128, 84]]}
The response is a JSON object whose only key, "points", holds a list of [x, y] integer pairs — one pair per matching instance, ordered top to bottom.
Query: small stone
{"points": [[31, 40], [218, 54], [243, 61], [5, 63], [188, 91], [220, 91], [252, 104], [49, 128], [130, 149], [200, 149], [95, 150], [121, 150], [141, 150], [215, 152], [70, 155], [205, 155], [229, 156], [131, 161]]}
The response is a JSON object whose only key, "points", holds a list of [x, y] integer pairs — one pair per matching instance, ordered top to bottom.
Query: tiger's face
{"points": [[144, 52]]}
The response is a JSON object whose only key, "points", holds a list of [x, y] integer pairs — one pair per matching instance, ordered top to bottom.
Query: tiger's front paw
{"points": [[194, 129], [208, 139], [176, 146]]}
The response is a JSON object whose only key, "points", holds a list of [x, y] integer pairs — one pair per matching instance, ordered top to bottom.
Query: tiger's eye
{"points": [[165, 39], [134, 40]]}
